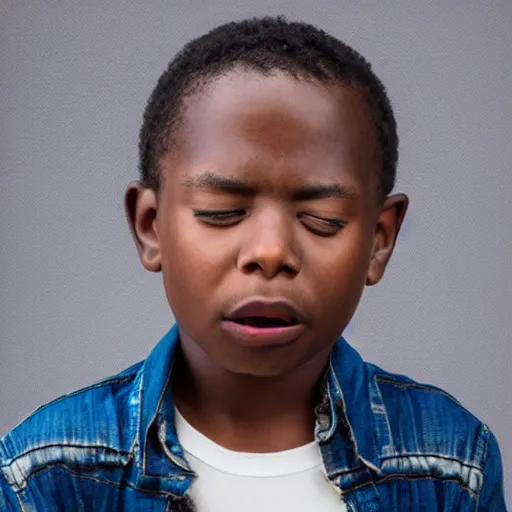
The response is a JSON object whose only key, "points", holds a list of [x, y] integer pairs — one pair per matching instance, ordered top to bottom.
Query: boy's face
{"points": [[276, 136]]}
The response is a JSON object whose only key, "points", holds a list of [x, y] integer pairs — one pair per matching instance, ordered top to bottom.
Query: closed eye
{"points": [[220, 217], [319, 225], [322, 226]]}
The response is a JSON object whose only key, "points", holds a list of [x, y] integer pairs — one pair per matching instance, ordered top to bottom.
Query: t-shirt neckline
{"points": [[287, 462]]}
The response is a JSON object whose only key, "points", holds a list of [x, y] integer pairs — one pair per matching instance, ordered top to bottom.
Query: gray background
{"points": [[76, 304]]}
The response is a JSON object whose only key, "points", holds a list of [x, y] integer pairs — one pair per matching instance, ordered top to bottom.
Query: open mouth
{"points": [[264, 322], [257, 325]]}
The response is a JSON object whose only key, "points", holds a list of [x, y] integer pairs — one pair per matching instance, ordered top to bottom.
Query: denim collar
{"points": [[349, 402], [345, 410]]}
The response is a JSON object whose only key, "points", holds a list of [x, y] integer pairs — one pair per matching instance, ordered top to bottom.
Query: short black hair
{"points": [[263, 44]]}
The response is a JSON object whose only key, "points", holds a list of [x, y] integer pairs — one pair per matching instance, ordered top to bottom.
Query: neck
{"points": [[245, 412]]}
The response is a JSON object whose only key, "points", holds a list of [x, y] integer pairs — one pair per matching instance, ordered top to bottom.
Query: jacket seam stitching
{"points": [[418, 385], [426, 387], [155, 415], [390, 434], [487, 444], [43, 447], [436, 455], [412, 477], [103, 481]]}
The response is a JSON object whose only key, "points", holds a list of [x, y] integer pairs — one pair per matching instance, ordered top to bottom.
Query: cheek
{"points": [[190, 261], [340, 268]]}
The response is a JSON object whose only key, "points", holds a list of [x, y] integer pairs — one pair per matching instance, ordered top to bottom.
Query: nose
{"points": [[270, 247]]}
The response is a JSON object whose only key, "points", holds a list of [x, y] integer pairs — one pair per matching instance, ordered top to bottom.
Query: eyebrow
{"points": [[212, 181]]}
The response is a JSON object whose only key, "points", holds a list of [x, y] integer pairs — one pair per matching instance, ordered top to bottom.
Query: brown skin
{"points": [[278, 134]]}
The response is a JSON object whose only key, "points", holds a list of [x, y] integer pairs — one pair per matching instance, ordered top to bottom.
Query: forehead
{"points": [[245, 119]]}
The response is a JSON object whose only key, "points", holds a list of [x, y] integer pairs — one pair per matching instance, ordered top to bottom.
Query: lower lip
{"points": [[262, 336]]}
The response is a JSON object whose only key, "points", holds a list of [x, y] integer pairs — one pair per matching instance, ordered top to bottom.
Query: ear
{"points": [[140, 204], [388, 225]]}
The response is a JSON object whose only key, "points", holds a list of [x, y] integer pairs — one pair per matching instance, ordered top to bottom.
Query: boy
{"points": [[268, 152]]}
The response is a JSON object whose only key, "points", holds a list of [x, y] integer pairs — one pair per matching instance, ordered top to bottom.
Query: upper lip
{"points": [[264, 307]]}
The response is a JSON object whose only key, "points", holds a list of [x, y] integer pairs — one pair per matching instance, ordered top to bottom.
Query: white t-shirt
{"points": [[229, 481]]}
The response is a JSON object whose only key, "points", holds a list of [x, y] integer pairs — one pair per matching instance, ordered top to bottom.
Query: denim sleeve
{"points": [[492, 497], [8, 500]]}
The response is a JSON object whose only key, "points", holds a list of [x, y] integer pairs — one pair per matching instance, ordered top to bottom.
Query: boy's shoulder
{"points": [[406, 399], [97, 422], [101, 425], [425, 425], [405, 426], [407, 430]]}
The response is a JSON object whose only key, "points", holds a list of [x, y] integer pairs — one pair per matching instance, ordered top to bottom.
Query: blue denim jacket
{"points": [[387, 442]]}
